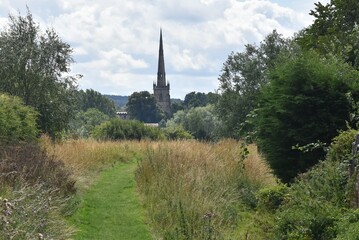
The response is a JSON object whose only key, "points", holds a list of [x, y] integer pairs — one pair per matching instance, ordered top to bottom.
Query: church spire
{"points": [[161, 74]]}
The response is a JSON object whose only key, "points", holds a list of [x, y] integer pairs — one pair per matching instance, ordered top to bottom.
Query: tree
{"points": [[334, 31], [34, 66], [243, 75], [93, 99], [198, 99], [305, 102], [142, 106], [17, 121], [85, 121], [201, 122]]}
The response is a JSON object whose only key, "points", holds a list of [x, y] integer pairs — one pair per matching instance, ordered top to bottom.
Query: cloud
{"points": [[116, 41]]}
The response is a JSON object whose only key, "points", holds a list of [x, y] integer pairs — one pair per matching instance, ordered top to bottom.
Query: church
{"points": [[161, 88]]}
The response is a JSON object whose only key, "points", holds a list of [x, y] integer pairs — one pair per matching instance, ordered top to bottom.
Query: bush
{"points": [[17, 121], [118, 129], [175, 132], [340, 149], [271, 198]]}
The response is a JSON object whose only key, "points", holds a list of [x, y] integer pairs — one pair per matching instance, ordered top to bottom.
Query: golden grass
{"points": [[86, 158], [191, 189]]}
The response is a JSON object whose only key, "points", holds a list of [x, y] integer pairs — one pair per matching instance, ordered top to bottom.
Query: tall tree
{"points": [[334, 30], [35, 67], [243, 75], [93, 99], [305, 102], [142, 106]]}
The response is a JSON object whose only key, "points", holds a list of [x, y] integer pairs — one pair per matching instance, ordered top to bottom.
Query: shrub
{"points": [[17, 121], [118, 129], [176, 132], [341, 147], [271, 198]]}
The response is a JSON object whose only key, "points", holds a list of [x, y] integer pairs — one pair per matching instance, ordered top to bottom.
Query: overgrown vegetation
{"points": [[118, 129], [35, 191], [202, 192]]}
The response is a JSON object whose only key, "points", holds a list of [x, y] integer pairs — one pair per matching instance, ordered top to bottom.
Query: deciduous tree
{"points": [[34, 66]]}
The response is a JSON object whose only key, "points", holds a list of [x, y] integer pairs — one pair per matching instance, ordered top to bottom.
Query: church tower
{"points": [[161, 89]]}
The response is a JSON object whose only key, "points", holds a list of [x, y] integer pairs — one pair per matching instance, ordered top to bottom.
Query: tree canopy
{"points": [[34, 66], [243, 75], [92, 99], [305, 102], [142, 107]]}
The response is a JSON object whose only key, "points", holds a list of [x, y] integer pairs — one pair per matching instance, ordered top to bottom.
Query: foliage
{"points": [[334, 31], [35, 66], [243, 75], [93, 99], [198, 99], [120, 101], [304, 102], [142, 106], [17, 121], [85, 121], [201, 122], [118, 129], [176, 132], [340, 149], [272, 197], [317, 205]]}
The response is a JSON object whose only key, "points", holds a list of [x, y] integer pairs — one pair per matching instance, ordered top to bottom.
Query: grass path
{"points": [[110, 208]]}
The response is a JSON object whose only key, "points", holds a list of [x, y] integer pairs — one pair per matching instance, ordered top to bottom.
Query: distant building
{"points": [[161, 89], [122, 115]]}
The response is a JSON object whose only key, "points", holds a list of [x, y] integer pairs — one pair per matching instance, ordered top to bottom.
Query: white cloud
{"points": [[116, 41]]}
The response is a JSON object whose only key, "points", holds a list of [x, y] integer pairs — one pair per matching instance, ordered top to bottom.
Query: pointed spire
{"points": [[161, 74]]}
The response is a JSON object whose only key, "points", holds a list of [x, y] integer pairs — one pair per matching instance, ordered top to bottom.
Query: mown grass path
{"points": [[110, 208]]}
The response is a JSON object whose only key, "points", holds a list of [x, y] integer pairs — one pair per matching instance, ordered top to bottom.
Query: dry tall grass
{"points": [[86, 158], [193, 190]]}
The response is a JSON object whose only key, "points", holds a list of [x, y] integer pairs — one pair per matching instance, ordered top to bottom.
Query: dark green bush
{"points": [[305, 102], [118, 129]]}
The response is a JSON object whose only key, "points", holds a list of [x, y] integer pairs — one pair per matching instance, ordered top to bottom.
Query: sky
{"points": [[115, 42]]}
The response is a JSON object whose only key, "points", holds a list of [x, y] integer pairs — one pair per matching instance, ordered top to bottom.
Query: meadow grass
{"points": [[190, 189], [196, 190]]}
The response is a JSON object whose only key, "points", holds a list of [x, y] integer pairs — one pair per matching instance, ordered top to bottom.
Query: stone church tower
{"points": [[161, 89]]}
